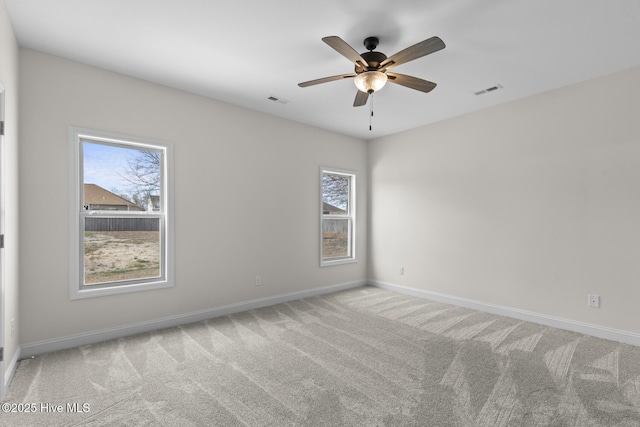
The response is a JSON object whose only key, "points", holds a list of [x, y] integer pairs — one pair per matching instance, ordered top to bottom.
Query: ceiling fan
{"points": [[371, 67]]}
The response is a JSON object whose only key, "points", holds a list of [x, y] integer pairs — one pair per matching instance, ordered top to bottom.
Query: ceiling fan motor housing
{"points": [[374, 59]]}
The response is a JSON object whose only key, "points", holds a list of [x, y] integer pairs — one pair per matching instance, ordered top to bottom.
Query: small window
{"points": [[121, 217], [337, 230]]}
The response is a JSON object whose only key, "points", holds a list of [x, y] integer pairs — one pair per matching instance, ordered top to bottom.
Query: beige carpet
{"points": [[363, 357]]}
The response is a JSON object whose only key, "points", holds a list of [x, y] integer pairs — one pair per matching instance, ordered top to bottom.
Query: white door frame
{"points": [[2, 297]]}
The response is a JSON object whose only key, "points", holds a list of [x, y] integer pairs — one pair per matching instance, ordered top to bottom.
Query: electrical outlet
{"points": [[401, 271], [258, 281], [594, 301]]}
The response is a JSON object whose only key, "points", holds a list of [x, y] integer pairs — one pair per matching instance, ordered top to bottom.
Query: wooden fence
{"points": [[122, 224], [340, 226]]}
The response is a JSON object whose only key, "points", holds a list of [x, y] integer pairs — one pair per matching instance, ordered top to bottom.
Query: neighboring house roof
{"points": [[95, 195], [330, 209]]}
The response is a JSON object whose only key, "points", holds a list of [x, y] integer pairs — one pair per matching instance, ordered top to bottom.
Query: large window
{"points": [[121, 214], [337, 218]]}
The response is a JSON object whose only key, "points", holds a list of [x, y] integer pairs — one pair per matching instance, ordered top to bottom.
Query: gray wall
{"points": [[252, 176], [530, 205]]}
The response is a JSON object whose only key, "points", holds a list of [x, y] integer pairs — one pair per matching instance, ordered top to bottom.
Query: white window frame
{"points": [[350, 216], [77, 288]]}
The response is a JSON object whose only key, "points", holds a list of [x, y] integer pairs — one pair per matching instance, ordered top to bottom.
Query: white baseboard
{"points": [[529, 316], [46, 346], [40, 347], [11, 369]]}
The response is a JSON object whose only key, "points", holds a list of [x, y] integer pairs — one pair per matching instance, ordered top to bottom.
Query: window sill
{"points": [[330, 262], [118, 289]]}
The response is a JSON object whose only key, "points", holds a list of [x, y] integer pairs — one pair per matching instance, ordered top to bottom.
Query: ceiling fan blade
{"points": [[345, 50], [416, 51], [326, 80], [411, 82], [361, 99]]}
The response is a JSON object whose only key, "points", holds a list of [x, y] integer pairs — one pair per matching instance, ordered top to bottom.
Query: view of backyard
{"points": [[336, 211], [335, 245], [121, 255]]}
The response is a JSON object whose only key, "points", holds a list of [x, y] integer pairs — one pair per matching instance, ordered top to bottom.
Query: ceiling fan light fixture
{"points": [[370, 81]]}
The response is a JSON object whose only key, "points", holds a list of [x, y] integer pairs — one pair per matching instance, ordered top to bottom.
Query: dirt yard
{"points": [[335, 245], [121, 255]]}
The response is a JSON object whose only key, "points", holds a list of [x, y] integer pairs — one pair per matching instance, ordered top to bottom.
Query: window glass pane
{"points": [[119, 178], [335, 194], [122, 234], [335, 238], [117, 249]]}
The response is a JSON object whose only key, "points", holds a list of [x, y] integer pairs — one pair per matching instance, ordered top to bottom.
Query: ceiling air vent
{"points": [[487, 90], [278, 100]]}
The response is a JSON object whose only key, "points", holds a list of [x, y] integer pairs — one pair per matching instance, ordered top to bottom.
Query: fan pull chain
{"points": [[370, 111]]}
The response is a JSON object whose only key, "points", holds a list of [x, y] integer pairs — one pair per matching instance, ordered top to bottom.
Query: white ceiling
{"points": [[243, 52]]}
